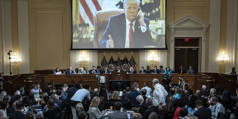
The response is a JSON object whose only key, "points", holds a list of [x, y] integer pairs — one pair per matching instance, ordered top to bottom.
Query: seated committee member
{"points": [[127, 30], [190, 70], [57, 71], [69, 71]]}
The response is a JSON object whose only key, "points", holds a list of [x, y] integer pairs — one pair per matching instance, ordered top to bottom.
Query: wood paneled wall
{"points": [[49, 33]]}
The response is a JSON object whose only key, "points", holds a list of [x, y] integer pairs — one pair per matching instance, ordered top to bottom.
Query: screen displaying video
{"points": [[118, 24]]}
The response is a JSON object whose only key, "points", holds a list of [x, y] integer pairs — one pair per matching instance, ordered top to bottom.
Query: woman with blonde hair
{"points": [[115, 96], [93, 111]]}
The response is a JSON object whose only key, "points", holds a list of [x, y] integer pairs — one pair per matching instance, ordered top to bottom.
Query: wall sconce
{"points": [[83, 56], [223, 57], [15, 58], [153, 58], [83, 59]]}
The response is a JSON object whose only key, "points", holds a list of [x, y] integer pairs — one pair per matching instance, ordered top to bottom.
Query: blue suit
{"points": [[116, 27]]}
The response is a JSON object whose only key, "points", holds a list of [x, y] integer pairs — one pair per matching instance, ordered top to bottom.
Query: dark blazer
{"points": [[116, 27], [105, 71], [142, 71], [156, 71], [132, 97], [203, 113], [17, 115]]}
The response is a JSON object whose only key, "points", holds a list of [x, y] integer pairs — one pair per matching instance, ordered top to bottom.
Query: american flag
{"points": [[89, 8]]}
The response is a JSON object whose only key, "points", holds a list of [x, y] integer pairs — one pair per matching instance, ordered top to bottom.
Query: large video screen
{"points": [[118, 24]]}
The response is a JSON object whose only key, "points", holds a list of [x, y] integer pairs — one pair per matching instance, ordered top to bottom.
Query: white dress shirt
{"points": [[148, 91], [80, 94]]}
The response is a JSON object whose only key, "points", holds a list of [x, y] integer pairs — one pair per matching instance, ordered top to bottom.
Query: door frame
{"points": [[189, 26], [191, 47]]}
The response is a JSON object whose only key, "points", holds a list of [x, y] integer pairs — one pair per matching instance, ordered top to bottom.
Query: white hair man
{"points": [[127, 30], [159, 93], [140, 99]]}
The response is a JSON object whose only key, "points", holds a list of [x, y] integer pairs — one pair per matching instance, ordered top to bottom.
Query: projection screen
{"points": [[118, 24]]}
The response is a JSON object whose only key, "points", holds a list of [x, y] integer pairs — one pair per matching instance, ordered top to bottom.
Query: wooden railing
{"points": [[219, 81]]}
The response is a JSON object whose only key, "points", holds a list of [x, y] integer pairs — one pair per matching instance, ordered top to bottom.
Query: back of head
{"points": [[155, 81], [78, 85], [135, 85], [85, 86], [212, 91], [139, 98], [214, 99], [149, 101], [95, 102], [50, 103], [199, 103], [3, 105], [19, 105], [117, 105], [183, 112], [29, 115], [82, 115], [153, 115], [39, 116], [137, 116]]}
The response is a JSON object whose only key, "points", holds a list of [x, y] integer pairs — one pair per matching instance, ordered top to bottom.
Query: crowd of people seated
{"points": [[108, 69], [165, 100]]}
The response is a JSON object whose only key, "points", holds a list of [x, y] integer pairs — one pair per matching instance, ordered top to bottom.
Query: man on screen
{"points": [[127, 30]]}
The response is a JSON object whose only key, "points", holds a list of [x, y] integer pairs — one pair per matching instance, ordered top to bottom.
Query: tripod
{"points": [[10, 63]]}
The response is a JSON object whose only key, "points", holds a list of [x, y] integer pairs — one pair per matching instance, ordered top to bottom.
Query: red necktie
{"points": [[131, 34]]}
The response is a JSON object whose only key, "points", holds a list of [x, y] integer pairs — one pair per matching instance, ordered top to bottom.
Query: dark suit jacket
{"points": [[116, 27], [203, 113], [17, 115]]}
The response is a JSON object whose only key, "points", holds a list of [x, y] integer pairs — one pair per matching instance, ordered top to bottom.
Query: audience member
{"points": [[148, 90], [159, 93], [80, 94], [133, 94], [217, 109], [93, 111], [202, 111], [117, 113], [18, 114]]}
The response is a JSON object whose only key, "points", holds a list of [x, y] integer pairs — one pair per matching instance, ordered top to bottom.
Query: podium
{"points": [[119, 76], [119, 81]]}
